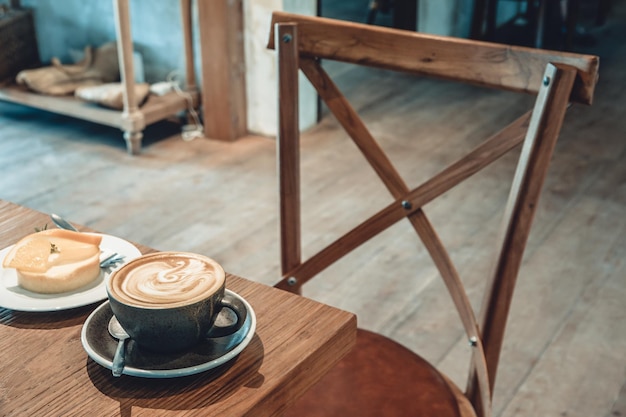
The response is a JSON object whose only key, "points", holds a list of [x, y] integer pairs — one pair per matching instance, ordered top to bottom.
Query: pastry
{"points": [[55, 261]]}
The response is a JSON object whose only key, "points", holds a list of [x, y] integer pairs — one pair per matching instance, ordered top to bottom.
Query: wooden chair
{"points": [[380, 377]]}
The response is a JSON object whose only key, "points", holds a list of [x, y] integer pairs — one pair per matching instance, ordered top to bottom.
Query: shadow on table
{"points": [[46, 320], [184, 393]]}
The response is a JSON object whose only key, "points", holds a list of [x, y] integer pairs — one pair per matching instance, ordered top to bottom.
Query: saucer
{"points": [[208, 354]]}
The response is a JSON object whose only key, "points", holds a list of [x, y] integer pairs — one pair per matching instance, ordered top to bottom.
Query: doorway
{"points": [[401, 14]]}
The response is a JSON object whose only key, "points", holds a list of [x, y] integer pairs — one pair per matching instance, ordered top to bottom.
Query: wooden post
{"points": [[286, 39], [223, 68], [190, 71], [133, 121]]}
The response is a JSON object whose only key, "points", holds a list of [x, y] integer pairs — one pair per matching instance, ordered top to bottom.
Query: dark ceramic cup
{"points": [[168, 301]]}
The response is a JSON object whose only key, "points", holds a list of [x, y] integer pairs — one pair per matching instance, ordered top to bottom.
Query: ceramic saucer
{"points": [[206, 355]]}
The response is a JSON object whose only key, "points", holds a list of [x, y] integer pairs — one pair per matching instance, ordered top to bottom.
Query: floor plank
{"points": [[581, 371]]}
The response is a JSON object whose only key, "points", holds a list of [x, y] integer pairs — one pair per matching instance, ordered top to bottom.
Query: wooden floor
{"points": [[565, 349]]}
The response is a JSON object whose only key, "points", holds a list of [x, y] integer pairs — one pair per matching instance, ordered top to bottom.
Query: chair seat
{"points": [[380, 377]]}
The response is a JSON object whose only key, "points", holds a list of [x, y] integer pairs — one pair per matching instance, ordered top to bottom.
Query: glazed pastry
{"points": [[55, 261]]}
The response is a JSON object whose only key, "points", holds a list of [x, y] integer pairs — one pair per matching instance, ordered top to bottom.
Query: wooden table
{"points": [[45, 370]]}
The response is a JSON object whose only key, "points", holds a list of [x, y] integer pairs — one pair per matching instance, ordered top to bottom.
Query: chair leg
{"points": [[604, 7], [372, 12], [492, 13], [405, 14], [478, 20], [571, 20], [540, 25]]}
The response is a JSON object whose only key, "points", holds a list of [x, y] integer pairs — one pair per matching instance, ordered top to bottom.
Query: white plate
{"points": [[15, 297], [206, 355]]}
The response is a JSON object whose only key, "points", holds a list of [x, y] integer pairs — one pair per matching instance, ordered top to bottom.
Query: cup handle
{"points": [[236, 306]]}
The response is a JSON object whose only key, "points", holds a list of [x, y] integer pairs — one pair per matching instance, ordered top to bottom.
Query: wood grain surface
{"points": [[489, 64], [45, 370]]}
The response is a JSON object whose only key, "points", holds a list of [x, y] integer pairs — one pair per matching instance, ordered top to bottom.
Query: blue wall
{"points": [[156, 27]]}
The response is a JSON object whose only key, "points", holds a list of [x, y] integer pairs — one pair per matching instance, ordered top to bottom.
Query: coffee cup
{"points": [[169, 301]]}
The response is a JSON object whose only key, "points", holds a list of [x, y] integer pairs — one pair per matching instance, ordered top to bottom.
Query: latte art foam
{"points": [[167, 280]]}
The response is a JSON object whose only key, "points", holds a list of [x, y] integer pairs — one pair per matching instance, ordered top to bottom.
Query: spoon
{"points": [[62, 223], [117, 331]]}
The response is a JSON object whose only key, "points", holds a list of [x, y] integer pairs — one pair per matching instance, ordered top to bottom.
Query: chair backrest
{"points": [[555, 78]]}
